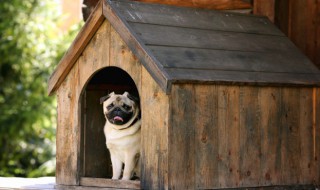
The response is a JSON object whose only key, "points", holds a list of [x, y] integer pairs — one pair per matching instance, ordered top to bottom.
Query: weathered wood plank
{"points": [[207, 4], [264, 8], [201, 19], [303, 23], [210, 39], [136, 46], [76, 48], [96, 55], [122, 57], [192, 58], [242, 77], [270, 99], [155, 124], [316, 131], [229, 136], [290, 136], [206, 137], [182, 138], [250, 143], [68, 151], [97, 162], [307, 164], [100, 182]]}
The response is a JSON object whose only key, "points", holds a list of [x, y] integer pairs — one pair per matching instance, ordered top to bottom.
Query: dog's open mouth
{"points": [[118, 119]]}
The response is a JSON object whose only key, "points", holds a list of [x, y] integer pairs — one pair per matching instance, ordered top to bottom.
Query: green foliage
{"points": [[30, 46]]}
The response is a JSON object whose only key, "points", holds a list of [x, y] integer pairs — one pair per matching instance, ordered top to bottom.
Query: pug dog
{"points": [[122, 132]]}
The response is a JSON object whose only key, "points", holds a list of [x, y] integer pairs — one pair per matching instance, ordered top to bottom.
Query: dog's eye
{"points": [[109, 107], [127, 107]]}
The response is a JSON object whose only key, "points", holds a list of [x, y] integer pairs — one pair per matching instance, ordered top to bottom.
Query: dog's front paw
{"points": [[115, 178], [126, 178]]}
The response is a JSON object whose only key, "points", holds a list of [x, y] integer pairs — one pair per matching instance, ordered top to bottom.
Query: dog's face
{"points": [[119, 109]]}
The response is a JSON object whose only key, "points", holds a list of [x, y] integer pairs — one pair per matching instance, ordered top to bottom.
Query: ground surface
{"points": [[43, 183]]}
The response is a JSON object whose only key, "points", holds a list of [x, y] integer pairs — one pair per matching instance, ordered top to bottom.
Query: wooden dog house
{"points": [[227, 100]]}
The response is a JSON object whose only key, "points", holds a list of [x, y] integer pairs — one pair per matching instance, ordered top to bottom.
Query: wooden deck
{"points": [[43, 183]]}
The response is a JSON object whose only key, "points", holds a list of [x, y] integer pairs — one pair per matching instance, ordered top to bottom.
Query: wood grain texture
{"points": [[207, 4], [264, 8], [201, 19], [298, 19], [303, 26], [142, 32], [209, 39], [136, 46], [76, 48], [96, 55], [121, 56], [226, 60], [183, 75], [155, 126], [270, 130], [316, 133], [229, 136], [290, 136], [256, 137], [181, 138], [206, 138], [250, 144], [68, 149], [97, 162], [307, 172], [100, 182]]}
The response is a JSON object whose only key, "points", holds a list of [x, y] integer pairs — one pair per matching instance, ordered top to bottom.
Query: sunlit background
{"points": [[34, 34]]}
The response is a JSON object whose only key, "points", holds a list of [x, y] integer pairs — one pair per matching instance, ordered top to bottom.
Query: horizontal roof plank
{"points": [[208, 4], [202, 19], [83, 38], [210, 39], [191, 58], [242, 77]]}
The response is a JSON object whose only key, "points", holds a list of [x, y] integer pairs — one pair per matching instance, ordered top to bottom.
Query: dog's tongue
{"points": [[117, 118]]}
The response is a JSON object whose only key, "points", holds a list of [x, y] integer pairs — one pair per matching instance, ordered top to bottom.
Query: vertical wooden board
{"points": [[264, 8], [282, 15], [303, 20], [96, 54], [317, 55], [121, 56], [316, 99], [270, 100], [229, 136], [290, 136], [306, 136], [182, 137], [206, 137], [154, 138], [250, 143], [68, 149], [97, 161]]}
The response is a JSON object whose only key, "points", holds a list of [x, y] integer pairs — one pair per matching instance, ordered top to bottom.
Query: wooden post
{"points": [[264, 8]]}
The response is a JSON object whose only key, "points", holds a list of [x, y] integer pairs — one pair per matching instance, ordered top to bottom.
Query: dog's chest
{"points": [[119, 140]]}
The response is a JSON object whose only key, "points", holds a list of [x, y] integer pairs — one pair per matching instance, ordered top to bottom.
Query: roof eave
{"points": [[81, 41], [150, 63]]}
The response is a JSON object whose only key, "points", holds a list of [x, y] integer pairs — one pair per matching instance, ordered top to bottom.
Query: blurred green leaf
{"points": [[31, 45]]}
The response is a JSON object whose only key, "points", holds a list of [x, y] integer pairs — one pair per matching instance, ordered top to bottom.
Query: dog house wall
{"points": [[104, 50], [195, 135]]}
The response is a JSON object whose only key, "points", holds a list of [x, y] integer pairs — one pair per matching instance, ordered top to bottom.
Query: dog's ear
{"points": [[104, 98], [133, 98]]}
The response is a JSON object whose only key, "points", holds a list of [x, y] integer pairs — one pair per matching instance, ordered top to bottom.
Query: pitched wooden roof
{"points": [[186, 45]]}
